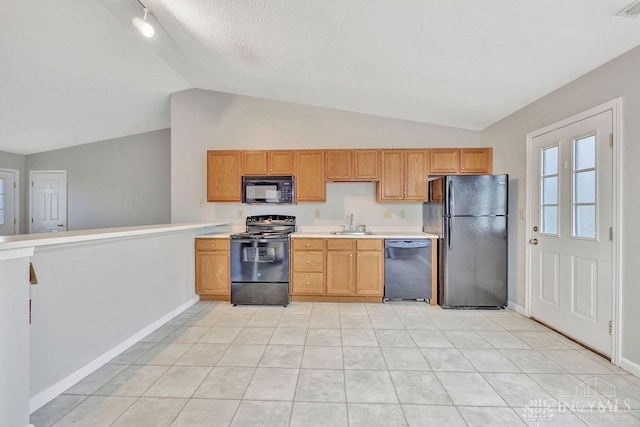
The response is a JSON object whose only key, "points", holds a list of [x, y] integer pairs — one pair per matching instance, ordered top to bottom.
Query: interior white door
{"points": [[48, 201], [572, 212], [8, 223]]}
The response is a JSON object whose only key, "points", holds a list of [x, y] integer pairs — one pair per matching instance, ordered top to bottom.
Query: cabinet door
{"points": [[476, 160], [443, 161], [254, 162], [280, 162], [339, 165], [366, 165], [416, 175], [224, 176], [310, 181], [391, 185], [212, 273], [340, 273], [369, 273], [307, 283]]}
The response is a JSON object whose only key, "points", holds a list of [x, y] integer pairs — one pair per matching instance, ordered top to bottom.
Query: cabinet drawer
{"points": [[212, 244], [307, 244], [341, 244], [370, 244], [308, 261], [307, 283]]}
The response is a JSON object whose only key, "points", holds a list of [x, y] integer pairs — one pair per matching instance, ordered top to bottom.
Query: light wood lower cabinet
{"points": [[307, 267], [213, 269], [352, 269]]}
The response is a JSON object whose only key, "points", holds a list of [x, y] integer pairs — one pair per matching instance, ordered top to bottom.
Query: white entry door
{"points": [[48, 201], [8, 205], [572, 212]]}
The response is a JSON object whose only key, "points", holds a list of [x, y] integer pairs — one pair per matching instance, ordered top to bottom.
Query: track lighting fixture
{"points": [[142, 25]]}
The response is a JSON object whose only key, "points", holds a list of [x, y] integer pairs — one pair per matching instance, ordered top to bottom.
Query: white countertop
{"points": [[376, 235], [64, 237]]}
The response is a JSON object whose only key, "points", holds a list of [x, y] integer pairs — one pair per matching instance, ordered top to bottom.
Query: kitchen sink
{"points": [[352, 233]]}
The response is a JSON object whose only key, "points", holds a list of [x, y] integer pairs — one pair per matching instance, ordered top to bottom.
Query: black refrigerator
{"points": [[469, 215]]}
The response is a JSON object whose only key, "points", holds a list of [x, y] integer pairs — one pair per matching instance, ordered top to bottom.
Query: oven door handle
{"points": [[258, 240]]}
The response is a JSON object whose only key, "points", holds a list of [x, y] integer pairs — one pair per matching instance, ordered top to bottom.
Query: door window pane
{"points": [[585, 152], [550, 161], [1, 186], [585, 187], [550, 190], [1, 216], [550, 220], [585, 221]]}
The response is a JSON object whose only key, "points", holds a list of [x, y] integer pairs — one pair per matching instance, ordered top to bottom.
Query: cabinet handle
{"points": [[213, 244], [307, 245], [350, 254], [308, 262], [307, 283]]}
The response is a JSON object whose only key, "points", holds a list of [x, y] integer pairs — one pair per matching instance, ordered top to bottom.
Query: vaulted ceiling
{"points": [[76, 71]]}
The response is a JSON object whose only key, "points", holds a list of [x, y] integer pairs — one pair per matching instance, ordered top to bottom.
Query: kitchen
{"points": [[207, 120]]}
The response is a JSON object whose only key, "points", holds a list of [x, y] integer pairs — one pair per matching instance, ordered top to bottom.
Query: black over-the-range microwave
{"points": [[269, 189]]}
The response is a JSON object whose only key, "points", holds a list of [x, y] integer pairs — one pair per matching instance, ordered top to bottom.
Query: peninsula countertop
{"points": [[64, 237]]}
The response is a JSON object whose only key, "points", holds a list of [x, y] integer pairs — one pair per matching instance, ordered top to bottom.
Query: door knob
{"points": [[60, 225], [533, 241]]}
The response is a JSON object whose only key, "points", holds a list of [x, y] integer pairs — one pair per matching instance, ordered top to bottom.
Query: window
{"points": [[584, 187], [549, 190]]}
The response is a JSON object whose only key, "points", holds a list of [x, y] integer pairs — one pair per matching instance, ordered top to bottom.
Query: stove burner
{"points": [[268, 227]]}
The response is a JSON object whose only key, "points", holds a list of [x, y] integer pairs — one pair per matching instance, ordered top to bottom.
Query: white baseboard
{"points": [[515, 307], [629, 366], [44, 397]]}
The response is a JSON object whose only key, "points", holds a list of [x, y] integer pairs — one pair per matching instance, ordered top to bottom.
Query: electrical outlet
{"points": [[200, 203], [317, 213], [387, 213], [240, 214], [402, 214], [521, 214]]}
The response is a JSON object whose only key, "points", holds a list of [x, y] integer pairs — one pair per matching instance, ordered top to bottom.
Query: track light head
{"points": [[143, 26]]}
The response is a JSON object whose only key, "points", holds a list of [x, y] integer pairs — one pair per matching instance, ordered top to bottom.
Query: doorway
{"points": [[47, 201], [9, 202], [571, 225]]}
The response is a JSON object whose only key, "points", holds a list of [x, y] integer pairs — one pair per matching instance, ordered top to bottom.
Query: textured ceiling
{"points": [[77, 72]]}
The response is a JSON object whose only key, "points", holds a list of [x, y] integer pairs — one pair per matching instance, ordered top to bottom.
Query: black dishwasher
{"points": [[407, 269]]}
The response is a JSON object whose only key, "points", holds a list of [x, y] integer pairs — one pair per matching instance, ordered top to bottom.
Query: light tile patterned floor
{"points": [[329, 364]]}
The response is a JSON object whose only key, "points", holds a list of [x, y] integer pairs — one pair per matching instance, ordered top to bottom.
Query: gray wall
{"points": [[617, 78], [204, 120], [17, 161], [113, 183]]}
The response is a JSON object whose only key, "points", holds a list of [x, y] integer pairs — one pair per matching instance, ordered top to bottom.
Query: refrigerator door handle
{"points": [[452, 202], [448, 232]]}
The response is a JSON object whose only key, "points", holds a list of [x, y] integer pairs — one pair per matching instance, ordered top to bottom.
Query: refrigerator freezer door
{"points": [[476, 195], [474, 258]]}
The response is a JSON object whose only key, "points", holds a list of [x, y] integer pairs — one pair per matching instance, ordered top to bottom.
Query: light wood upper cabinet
{"points": [[476, 160], [445, 161], [267, 162], [339, 165], [352, 165], [366, 165], [310, 173], [404, 175], [416, 175], [224, 176], [391, 185], [213, 269]]}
